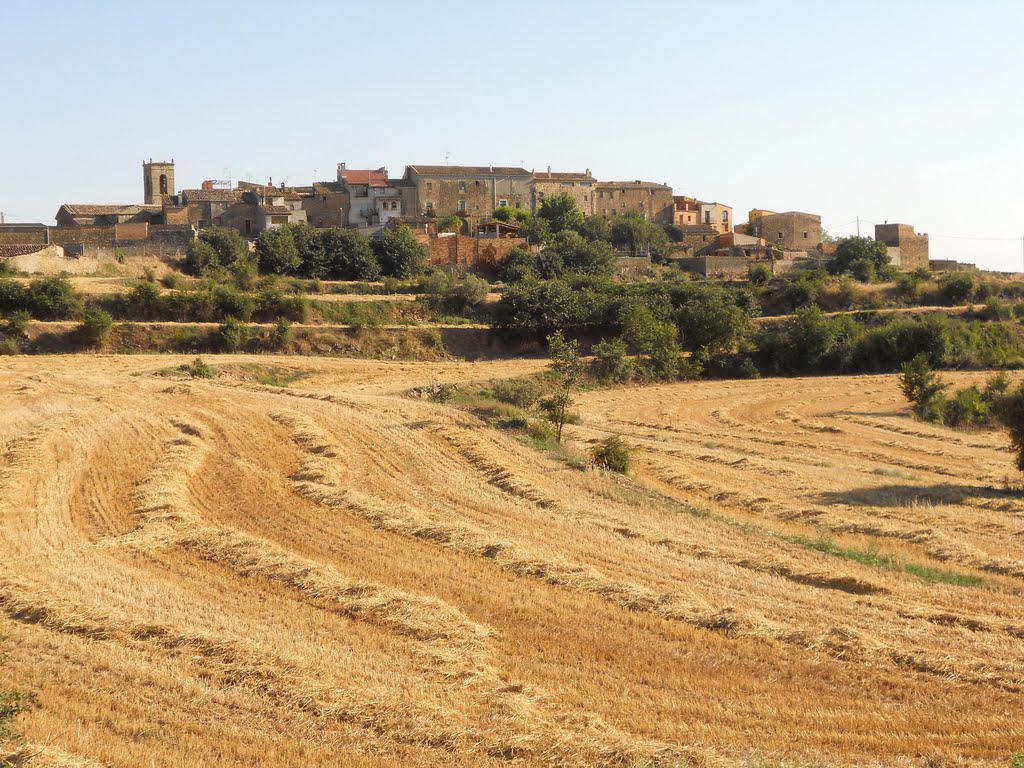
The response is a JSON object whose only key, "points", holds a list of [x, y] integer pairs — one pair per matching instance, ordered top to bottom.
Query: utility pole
{"points": [[2, 220], [858, 226]]}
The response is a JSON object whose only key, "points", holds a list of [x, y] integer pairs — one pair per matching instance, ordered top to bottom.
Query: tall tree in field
{"points": [[567, 365]]}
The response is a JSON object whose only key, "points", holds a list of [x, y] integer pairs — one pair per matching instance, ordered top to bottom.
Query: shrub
{"points": [[277, 252], [760, 275], [172, 281], [957, 287], [13, 297], [53, 298], [144, 302], [231, 303], [995, 309], [16, 323], [95, 327], [281, 333], [229, 336], [9, 347], [611, 360], [199, 369], [923, 389], [521, 392], [968, 408], [1011, 414], [541, 431], [613, 454]]}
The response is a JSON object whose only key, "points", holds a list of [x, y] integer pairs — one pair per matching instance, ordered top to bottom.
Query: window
{"points": [[163, 183], [568, 184], [430, 186], [462, 186], [600, 194], [503, 202], [394, 205], [430, 205], [462, 205], [615, 212], [707, 217], [725, 217], [248, 227], [780, 235], [805, 235]]}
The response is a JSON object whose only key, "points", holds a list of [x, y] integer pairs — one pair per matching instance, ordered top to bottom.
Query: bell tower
{"points": [[158, 181]]}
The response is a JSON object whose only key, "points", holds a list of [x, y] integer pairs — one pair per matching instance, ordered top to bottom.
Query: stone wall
{"points": [[24, 234], [463, 251], [52, 260], [715, 266]]}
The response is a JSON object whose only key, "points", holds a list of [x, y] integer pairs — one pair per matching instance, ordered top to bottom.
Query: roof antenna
{"points": [[446, 156]]}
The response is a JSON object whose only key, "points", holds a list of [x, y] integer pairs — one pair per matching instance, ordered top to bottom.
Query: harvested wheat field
{"points": [[217, 572]]}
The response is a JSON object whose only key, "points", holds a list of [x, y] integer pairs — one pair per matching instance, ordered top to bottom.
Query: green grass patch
{"points": [[275, 376], [894, 473], [873, 557]]}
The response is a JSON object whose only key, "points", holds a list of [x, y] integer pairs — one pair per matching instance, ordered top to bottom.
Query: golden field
{"points": [[218, 572]]}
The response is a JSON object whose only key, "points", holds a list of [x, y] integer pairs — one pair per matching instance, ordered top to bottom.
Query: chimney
{"points": [[549, 171], [341, 172], [588, 173]]}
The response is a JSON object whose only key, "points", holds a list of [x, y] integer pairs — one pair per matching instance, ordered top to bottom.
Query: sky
{"points": [[901, 111]]}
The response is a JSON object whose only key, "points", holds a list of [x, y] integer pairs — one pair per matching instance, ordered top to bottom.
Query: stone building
{"points": [[157, 181], [579, 186], [472, 192], [373, 198], [654, 201], [205, 206], [685, 211], [87, 215], [716, 215], [791, 231], [907, 249]]}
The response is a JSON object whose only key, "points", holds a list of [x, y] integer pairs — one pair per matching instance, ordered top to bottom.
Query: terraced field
{"points": [[217, 572]]}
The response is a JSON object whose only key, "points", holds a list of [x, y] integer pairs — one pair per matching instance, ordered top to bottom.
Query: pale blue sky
{"points": [[900, 111]]}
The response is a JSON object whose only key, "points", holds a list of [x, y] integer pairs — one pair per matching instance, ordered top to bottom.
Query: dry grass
{"points": [[335, 574]]}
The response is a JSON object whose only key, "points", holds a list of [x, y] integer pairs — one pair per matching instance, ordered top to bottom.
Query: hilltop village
{"points": [[456, 211]]}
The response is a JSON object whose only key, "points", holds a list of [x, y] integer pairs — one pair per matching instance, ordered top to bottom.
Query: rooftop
{"points": [[469, 170], [375, 178], [210, 195], [87, 209]]}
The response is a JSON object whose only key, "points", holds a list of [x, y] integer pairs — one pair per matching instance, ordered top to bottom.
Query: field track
{"points": [[217, 572]]}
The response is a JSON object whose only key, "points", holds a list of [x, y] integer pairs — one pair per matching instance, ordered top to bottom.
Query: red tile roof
{"points": [[370, 178]]}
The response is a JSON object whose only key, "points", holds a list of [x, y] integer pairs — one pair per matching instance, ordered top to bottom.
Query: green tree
{"points": [[508, 213], [561, 213], [452, 224], [596, 228], [536, 230], [638, 237], [229, 245], [854, 249], [277, 252], [400, 254], [349, 256], [201, 257], [590, 257], [313, 261], [520, 264], [53, 298], [712, 324], [95, 327], [611, 360], [567, 366], [923, 388], [1011, 414], [612, 453]]}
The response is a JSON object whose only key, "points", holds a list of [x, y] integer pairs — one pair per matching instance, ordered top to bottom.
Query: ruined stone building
{"points": [[791, 231], [907, 249]]}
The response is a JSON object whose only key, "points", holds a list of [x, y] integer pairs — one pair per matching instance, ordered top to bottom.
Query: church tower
{"points": [[158, 181]]}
